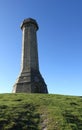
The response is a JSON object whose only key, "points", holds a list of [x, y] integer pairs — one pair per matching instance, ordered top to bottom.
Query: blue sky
{"points": [[59, 43]]}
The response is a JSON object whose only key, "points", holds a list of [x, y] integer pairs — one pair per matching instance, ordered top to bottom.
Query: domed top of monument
{"points": [[29, 21]]}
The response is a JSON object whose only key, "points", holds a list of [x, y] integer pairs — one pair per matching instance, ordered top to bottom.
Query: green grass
{"points": [[39, 111]]}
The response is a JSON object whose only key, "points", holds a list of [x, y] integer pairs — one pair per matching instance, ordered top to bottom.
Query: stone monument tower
{"points": [[30, 80]]}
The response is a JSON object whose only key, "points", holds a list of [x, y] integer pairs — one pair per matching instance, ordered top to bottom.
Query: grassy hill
{"points": [[40, 112]]}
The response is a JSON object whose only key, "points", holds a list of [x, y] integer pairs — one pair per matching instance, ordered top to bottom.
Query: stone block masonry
{"points": [[30, 79]]}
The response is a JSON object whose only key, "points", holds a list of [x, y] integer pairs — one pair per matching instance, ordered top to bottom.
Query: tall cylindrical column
{"points": [[29, 45], [30, 80]]}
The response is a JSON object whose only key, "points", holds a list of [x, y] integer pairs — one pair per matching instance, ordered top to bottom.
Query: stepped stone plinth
{"points": [[30, 79]]}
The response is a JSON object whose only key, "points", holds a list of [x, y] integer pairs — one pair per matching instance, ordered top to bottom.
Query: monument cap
{"points": [[29, 21]]}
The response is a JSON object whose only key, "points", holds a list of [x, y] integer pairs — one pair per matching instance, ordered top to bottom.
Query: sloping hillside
{"points": [[40, 112]]}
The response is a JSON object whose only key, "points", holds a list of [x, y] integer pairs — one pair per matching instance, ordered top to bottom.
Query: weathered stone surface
{"points": [[30, 79]]}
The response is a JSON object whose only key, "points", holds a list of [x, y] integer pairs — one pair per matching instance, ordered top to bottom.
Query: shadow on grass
{"points": [[19, 118], [73, 120]]}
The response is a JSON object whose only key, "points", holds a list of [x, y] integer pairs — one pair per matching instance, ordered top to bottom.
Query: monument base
{"points": [[30, 82]]}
